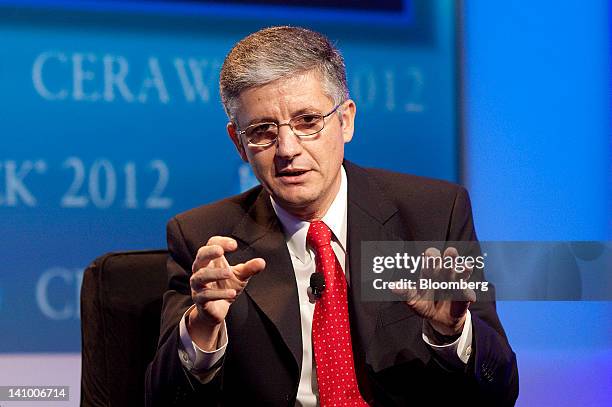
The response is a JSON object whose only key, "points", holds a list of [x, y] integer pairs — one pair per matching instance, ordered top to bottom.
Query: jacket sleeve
{"points": [[493, 363], [167, 382]]}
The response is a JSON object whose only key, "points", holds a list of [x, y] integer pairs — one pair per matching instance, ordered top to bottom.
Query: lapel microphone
{"points": [[317, 286]]}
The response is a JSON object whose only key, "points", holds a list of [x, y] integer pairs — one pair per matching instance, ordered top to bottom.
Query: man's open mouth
{"points": [[291, 173]]}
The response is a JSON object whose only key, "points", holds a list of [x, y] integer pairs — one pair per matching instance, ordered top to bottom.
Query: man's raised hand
{"points": [[214, 286], [445, 316]]}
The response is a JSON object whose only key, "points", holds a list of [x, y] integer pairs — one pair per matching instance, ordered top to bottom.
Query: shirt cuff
{"points": [[458, 352], [203, 364]]}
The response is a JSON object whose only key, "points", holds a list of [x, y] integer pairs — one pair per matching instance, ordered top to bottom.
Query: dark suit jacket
{"points": [[264, 355]]}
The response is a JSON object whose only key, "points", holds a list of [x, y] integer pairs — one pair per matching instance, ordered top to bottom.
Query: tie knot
{"points": [[318, 234]]}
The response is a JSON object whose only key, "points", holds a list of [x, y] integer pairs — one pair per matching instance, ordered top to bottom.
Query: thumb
{"points": [[244, 271], [459, 308]]}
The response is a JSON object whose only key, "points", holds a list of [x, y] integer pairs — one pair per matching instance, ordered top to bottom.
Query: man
{"points": [[239, 326]]}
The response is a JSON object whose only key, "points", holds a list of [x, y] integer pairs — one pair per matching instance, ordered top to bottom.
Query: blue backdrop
{"points": [[539, 167]]}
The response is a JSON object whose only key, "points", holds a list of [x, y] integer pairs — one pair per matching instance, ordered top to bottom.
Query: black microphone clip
{"points": [[317, 286]]}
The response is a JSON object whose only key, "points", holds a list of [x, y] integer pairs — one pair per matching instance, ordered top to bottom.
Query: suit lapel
{"points": [[370, 216], [274, 290]]}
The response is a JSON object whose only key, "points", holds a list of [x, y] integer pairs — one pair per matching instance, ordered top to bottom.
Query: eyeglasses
{"points": [[304, 126]]}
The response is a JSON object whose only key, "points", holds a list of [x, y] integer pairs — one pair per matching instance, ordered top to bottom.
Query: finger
{"points": [[227, 243], [432, 252], [451, 252], [205, 255], [433, 263], [448, 266], [459, 270], [244, 271], [464, 272], [208, 275], [403, 293], [213, 294], [409, 295], [469, 295], [458, 308]]}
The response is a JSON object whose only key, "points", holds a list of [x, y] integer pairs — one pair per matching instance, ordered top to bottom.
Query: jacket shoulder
{"points": [[423, 188], [428, 209], [218, 217]]}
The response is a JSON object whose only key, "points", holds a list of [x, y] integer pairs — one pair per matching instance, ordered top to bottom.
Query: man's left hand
{"points": [[446, 316]]}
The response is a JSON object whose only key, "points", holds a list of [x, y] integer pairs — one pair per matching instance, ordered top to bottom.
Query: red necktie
{"points": [[331, 331]]}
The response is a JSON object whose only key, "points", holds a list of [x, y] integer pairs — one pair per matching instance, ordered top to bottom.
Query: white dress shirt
{"points": [[199, 361]]}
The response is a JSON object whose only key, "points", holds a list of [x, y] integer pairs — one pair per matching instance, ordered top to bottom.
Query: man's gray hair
{"points": [[281, 52]]}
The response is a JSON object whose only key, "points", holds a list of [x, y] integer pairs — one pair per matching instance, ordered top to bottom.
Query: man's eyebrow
{"points": [[304, 111], [264, 119], [269, 119]]}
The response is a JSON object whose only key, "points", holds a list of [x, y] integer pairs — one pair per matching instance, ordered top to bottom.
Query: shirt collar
{"points": [[297, 229]]}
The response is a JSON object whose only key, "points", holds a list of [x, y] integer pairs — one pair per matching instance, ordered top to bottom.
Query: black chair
{"points": [[121, 299]]}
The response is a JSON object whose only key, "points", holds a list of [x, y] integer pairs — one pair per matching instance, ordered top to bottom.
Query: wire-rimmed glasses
{"points": [[305, 125]]}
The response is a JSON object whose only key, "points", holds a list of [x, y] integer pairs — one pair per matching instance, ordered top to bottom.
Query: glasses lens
{"points": [[307, 124], [262, 134]]}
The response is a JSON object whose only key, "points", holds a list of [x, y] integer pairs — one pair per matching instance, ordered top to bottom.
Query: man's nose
{"points": [[288, 145]]}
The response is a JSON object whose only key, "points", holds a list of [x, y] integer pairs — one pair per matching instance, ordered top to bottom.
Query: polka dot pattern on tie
{"points": [[331, 331]]}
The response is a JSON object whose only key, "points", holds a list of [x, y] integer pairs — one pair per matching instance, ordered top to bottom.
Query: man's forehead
{"points": [[283, 96]]}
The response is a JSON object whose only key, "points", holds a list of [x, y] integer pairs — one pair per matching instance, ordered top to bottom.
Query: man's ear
{"points": [[347, 119], [237, 140]]}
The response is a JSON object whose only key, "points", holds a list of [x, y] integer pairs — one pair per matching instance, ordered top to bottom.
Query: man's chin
{"points": [[294, 201]]}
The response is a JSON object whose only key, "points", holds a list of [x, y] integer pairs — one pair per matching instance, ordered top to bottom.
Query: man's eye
{"points": [[310, 118], [307, 121], [261, 128], [263, 133]]}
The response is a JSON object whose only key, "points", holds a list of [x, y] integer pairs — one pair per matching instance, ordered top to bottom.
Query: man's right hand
{"points": [[214, 286]]}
